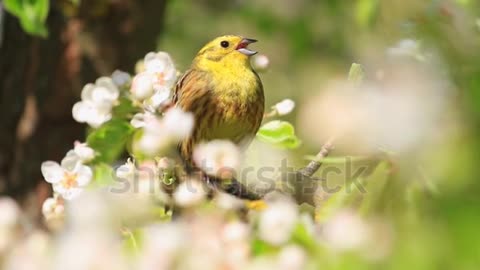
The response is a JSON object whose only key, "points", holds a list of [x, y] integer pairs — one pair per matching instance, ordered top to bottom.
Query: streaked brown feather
{"points": [[193, 93]]}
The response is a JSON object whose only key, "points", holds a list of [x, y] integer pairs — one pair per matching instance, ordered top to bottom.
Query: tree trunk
{"points": [[40, 79]]}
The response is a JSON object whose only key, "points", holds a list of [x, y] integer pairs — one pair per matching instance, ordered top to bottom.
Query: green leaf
{"points": [[13, 6], [367, 11], [32, 14], [356, 75], [125, 109], [279, 133], [109, 140], [103, 175], [375, 185], [336, 201], [301, 236], [132, 240], [260, 247]]}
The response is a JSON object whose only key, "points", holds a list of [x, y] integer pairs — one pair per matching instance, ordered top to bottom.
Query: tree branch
{"points": [[314, 165]]}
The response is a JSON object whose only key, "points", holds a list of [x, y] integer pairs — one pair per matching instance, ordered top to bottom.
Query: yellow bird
{"points": [[223, 92]]}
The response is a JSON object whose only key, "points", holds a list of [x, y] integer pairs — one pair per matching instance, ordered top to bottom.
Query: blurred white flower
{"points": [[406, 48], [261, 62], [162, 66], [121, 78], [142, 85], [153, 85], [157, 100], [97, 102], [284, 107], [400, 113], [140, 120], [177, 123], [163, 132], [81, 152], [220, 158], [165, 163], [126, 171], [68, 179], [144, 179], [148, 181], [189, 193], [228, 202], [53, 210], [9, 212], [9, 219], [277, 221], [346, 231], [235, 232], [164, 239], [236, 242], [82, 250], [31, 253], [292, 257]]}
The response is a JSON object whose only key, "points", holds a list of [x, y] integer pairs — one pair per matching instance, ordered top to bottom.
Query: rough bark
{"points": [[40, 79]]}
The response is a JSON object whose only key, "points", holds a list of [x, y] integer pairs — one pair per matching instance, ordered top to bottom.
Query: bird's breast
{"points": [[237, 108]]}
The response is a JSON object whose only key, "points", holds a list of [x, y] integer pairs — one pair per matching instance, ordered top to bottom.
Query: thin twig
{"points": [[314, 165]]}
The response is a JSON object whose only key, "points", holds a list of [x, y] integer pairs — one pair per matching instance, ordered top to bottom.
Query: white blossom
{"points": [[406, 48], [261, 62], [162, 66], [121, 78], [142, 85], [153, 85], [158, 99], [97, 102], [284, 107], [140, 120], [177, 123], [163, 132], [83, 152], [218, 158], [126, 171], [67, 179], [189, 193], [228, 202], [53, 210], [9, 212], [9, 219], [277, 221], [346, 231], [235, 232], [164, 239], [82, 250], [30, 252], [292, 257]]}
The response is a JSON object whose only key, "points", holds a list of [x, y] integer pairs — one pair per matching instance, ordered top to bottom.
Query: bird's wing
{"points": [[193, 82], [192, 94]]}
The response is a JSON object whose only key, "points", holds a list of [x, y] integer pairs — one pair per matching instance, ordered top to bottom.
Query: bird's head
{"points": [[227, 48]]}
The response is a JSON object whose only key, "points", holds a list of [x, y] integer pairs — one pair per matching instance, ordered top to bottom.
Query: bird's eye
{"points": [[224, 44]]}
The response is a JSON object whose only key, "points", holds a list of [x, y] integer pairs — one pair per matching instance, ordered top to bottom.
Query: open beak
{"points": [[242, 46]]}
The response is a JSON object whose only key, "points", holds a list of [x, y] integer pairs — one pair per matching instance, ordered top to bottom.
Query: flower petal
{"points": [[107, 83], [142, 86], [87, 92], [160, 97], [80, 111], [178, 123], [84, 152], [70, 160], [52, 171], [84, 174], [67, 193]]}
